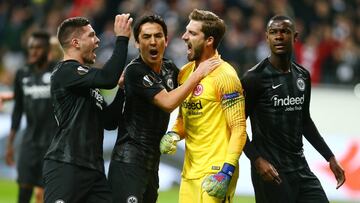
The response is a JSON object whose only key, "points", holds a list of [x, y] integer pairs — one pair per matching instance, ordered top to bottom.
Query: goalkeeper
{"points": [[211, 119]]}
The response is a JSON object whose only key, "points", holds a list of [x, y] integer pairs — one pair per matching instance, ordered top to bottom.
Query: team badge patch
{"points": [[82, 71], [46, 78], [148, 80], [170, 83], [300, 84], [198, 90], [231, 95], [132, 199]]}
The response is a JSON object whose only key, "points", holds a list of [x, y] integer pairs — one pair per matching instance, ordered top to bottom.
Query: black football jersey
{"points": [[32, 97], [278, 106], [78, 108], [144, 122]]}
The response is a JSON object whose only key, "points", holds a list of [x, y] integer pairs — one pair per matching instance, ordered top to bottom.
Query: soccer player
{"points": [[277, 92], [150, 96], [32, 98], [211, 119], [74, 166]]}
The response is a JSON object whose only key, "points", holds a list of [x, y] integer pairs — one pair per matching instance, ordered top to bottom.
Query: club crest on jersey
{"points": [[82, 71], [46, 78], [170, 83], [300, 84], [198, 90], [132, 199]]}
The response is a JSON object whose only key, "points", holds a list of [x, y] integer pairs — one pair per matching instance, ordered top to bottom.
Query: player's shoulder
{"points": [[168, 64], [136, 67], [259, 67], [68, 68], [225, 68], [299, 68], [186, 69], [23, 71]]}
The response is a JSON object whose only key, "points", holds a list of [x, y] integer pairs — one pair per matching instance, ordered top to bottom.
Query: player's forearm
{"points": [[109, 75], [168, 101], [234, 111], [179, 127], [11, 137], [316, 140], [251, 151]]}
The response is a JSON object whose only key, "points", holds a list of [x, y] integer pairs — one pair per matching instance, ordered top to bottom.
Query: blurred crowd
{"points": [[329, 42]]}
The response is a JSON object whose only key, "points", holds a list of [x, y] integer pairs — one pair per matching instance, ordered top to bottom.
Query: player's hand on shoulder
{"points": [[122, 25], [207, 66], [266, 170], [338, 172]]}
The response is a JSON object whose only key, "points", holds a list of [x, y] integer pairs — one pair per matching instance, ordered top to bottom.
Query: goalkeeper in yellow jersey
{"points": [[211, 119]]}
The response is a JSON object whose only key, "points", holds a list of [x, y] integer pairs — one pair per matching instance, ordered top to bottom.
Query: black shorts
{"points": [[30, 165], [131, 183], [74, 184], [296, 187]]}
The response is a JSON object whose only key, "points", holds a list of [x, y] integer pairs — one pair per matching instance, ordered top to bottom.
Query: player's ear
{"points": [[296, 36], [210, 41], [75, 42], [137, 44]]}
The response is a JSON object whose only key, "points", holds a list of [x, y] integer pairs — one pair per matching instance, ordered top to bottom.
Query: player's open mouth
{"points": [[189, 48], [154, 52]]}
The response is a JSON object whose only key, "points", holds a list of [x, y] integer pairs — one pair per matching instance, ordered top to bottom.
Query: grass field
{"points": [[8, 192]]}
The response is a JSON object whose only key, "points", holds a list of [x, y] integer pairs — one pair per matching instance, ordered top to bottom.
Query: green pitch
{"points": [[8, 193]]}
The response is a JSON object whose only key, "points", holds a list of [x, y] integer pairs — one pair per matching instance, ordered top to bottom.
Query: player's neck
{"points": [[207, 53], [70, 55], [281, 63], [41, 65]]}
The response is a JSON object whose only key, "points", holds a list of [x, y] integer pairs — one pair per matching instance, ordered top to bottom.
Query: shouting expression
{"points": [[195, 40], [88, 42], [152, 43]]}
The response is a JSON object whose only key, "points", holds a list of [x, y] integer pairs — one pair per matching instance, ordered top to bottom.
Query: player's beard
{"points": [[197, 51], [88, 58]]}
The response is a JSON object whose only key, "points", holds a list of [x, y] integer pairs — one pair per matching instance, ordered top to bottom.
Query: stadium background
{"points": [[328, 46]]}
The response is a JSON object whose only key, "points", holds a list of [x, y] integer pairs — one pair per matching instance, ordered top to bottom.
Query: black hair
{"points": [[152, 18], [281, 18], [69, 27], [42, 35]]}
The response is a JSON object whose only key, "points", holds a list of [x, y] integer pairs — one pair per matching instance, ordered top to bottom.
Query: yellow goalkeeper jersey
{"points": [[212, 121]]}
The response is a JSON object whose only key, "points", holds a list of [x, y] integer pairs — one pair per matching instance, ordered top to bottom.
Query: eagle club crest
{"points": [[300, 84], [198, 90]]}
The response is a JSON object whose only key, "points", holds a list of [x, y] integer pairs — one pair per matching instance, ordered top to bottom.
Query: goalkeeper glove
{"points": [[168, 143], [216, 185]]}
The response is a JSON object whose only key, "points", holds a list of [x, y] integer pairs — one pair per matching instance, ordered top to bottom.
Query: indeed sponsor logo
{"points": [[37, 91], [99, 98], [287, 101], [192, 105]]}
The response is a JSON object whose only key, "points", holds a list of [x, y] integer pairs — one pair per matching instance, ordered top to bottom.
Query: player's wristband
{"points": [[228, 169]]}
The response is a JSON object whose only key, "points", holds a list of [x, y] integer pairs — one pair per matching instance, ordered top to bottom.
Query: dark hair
{"points": [[152, 18], [281, 18], [212, 25], [69, 27], [42, 35]]}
